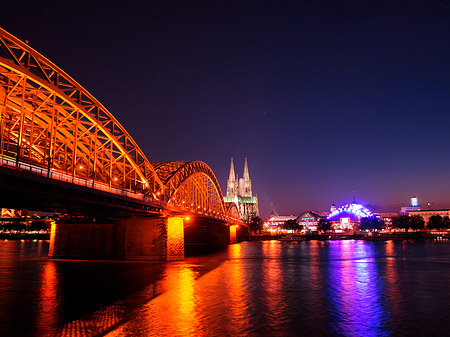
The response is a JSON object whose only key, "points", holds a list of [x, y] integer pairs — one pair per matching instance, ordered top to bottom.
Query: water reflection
{"points": [[273, 281], [351, 288], [355, 291], [393, 291], [236, 293], [49, 299], [315, 301], [178, 304]]}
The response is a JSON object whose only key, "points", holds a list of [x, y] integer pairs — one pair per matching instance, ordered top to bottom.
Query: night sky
{"points": [[323, 97]]}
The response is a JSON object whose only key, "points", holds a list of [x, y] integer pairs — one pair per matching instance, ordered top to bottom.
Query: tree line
{"points": [[405, 222], [415, 222]]}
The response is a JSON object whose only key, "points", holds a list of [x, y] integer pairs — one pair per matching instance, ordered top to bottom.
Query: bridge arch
{"points": [[49, 120], [192, 185], [233, 212]]}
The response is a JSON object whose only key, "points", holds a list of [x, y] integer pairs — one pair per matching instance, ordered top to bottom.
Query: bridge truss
{"points": [[51, 125], [193, 185]]}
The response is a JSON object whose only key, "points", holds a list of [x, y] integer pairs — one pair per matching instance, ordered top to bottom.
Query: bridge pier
{"points": [[207, 232], [233, 236], [134, 238]]}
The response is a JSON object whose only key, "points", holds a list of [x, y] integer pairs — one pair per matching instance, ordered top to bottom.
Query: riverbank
{"points": [[24, 236], [396, 236]]}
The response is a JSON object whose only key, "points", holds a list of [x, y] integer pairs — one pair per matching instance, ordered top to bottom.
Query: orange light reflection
{"points": [[272, 285], [48, 302], [173, 312]]}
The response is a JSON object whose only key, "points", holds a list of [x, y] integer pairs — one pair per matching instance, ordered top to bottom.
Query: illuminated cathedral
{"points": [[239, 191]]}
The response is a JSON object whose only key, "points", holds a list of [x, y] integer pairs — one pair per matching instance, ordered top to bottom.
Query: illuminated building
{"points": [[239, 191], [414, 201], [333, 207], [10, 213], [427, 214], [345, 217], [387, 217], [309, 220], [275, 222]]}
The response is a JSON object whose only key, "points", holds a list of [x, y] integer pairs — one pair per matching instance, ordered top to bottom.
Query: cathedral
{"points": [[239, 191]]}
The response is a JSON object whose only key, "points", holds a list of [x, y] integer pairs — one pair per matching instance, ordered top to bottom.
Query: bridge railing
{"points": [[12, 163], [61, 176]]}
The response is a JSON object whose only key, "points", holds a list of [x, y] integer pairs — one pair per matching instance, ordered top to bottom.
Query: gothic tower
{"points": [[232, 183], [245, 184], [239, 191], [247, 192]]}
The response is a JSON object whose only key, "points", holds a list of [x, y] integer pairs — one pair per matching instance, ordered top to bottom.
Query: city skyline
{"points": [[322, 99]]}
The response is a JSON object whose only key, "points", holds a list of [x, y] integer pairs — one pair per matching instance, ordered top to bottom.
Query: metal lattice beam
{"points": [[49, 120], [50, 123], [193, 185], [233, 212]]}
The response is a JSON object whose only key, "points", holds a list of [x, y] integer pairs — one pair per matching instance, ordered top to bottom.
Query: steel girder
{"points": [[49, 120], [54, 125], [193, 185], [233, 212]]}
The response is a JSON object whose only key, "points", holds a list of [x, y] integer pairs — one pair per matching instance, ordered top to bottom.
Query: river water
{"points": [[271, 288]]}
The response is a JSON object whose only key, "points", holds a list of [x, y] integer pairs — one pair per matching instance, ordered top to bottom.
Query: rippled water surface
{"points": [[350, 288]]}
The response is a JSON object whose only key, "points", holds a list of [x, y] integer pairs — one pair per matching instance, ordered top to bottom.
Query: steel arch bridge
{"points": [[50, 125]]}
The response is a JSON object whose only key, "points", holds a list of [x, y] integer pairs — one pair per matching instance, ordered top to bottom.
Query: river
{"points": [[271, 288]]}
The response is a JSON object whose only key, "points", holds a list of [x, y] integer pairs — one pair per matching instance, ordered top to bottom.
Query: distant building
{"points": [[239, 191], [414, 201], [333, 207], [10, 213], [427, 214], [345, 217], [387, 217], [280, 219], [309, 220], [276, 221]]}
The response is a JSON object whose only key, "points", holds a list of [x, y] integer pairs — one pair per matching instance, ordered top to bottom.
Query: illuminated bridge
{"points": [[63, 151]]}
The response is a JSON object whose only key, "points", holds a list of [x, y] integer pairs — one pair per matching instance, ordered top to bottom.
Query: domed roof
{"points": [[353, 211]]}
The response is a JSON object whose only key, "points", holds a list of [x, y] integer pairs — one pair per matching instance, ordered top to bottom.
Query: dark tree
{"points": [[401, 221], [416, 222], [435, 222], [446, 222], [371, 223], [256, 224], [38, 225], [292, 225], [324, 225], [13, 226]]}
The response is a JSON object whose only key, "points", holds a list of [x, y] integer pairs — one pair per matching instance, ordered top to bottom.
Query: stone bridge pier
{"points": [[133, 238], [137, 238]]}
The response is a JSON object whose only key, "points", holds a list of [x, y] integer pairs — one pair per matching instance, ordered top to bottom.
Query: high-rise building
{"points": [[239, 191]]}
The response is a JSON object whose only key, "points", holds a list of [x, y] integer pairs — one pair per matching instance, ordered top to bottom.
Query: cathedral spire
{"points": [[232, 175], [246, 175], [232, 183], [245, 184], [239, 191]]}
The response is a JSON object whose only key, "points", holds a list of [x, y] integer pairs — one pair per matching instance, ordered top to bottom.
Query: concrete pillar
{"points": [[206, 232], [134, 238], [144, 238], [233, 238], [175, 239], [51, 248]]}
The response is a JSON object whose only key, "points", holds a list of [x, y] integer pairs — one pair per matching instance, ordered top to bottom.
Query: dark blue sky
{"points": [[323, 97]]}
